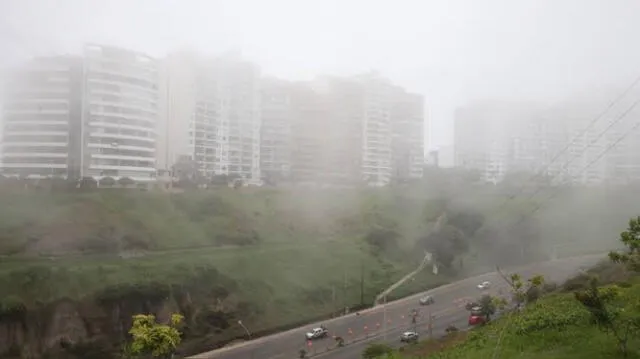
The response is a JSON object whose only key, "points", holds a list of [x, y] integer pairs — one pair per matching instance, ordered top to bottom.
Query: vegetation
{"points": [[213, 249], [594, 315], [150, 338]]}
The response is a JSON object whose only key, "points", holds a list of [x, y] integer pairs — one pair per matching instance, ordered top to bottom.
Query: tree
{"points": [[220, 180], [107, 182], [126, 182], [88, 183], [631, 240], [523, 292], [489, 305], [609, 314], [154, 339], [375, 351]]}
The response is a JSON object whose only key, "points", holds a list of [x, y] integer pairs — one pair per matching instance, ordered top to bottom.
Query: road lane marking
{"points": [[442, 289]]}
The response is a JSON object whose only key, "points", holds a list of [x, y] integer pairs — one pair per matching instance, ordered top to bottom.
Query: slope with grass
{"points": [[75, 266], [556, 326]]}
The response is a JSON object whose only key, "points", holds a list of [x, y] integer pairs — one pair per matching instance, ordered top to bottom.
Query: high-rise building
{"points": [[121, 114], [93, 115], [211, 115], [42, 118], [347, 130], [275, 132], [562, 142]]}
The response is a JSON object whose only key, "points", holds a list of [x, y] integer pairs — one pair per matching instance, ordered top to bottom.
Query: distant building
{"points": [[120, 114], [212, 115], [42, 119], [559, 141]]}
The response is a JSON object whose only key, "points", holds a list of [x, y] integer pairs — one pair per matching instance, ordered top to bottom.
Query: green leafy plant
{"points": [[631, 240], [154, 339]]}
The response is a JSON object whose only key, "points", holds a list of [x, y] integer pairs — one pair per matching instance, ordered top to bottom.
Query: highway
{"points": [[368, 327]]}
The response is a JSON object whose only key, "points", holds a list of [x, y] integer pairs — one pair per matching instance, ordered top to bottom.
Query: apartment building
{"points": [[121, 114], [93, 115], [212, 115], [42, 119], [349, 130], [275, 131], [407, 136], [559, 141]]}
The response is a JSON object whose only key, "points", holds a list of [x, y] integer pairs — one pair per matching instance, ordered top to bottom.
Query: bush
{"points": [[107, 182], [126, 182], [578, 282], [451, 329], [375, 351]]}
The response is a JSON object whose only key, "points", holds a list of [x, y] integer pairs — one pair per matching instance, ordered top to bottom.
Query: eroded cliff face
{"points": [[95, 328]]}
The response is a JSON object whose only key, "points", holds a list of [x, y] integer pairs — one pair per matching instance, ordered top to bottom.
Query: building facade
{"points": [[120, 114], [93, 115], [211, 115], [42, 118], [561, 142]]}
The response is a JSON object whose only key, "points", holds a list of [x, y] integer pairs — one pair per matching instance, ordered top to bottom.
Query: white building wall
{"points": [[37, 114], [121, 114]]}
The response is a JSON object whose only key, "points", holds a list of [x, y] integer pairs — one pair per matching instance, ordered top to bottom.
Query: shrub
{"points": [[107, 182], [126, 182], [375, 351]]}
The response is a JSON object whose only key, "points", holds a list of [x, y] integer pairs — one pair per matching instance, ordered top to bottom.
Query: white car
{"points": [[484, 285], [426, 300], [317, 333], [408, 337]]}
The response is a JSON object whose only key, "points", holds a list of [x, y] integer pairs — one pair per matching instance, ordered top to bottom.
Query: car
{"points": [[484, 285], [426, 300], [470, 305], [477, 310], [476, 320], [317, 333], [408, 337]]}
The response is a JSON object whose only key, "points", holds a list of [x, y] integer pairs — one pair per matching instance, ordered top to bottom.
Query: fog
{"points": [[454, 52]]}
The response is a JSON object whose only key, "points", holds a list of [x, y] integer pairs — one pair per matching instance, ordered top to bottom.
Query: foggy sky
{"points": [[452, 51]]}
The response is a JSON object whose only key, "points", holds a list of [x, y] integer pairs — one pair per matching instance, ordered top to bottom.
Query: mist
{"points": [[452, 52], [274, 163]]}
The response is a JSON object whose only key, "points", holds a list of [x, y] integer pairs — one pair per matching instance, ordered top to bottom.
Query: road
{"points": [[361, 330]]}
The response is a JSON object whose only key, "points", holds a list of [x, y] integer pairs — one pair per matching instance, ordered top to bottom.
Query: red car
{"points": [[476, 319]]}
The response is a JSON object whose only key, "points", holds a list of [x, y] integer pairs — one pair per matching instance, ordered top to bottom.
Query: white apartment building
{"points": [[121, 114], [93, 115], [211, 115], [42, 119], [356, 129], [275, 132], [407, 136], [561, 141]]}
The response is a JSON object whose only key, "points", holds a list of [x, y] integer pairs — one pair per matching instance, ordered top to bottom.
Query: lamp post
{"points": [[384, 318]]}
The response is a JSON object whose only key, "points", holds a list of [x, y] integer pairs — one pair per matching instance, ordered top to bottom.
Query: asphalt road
{"points": [[368, 327]]}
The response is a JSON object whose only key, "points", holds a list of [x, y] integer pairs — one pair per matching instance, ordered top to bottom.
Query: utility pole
{"points": [[361, 284], [344, 292], [384, 318], [430, 324]]}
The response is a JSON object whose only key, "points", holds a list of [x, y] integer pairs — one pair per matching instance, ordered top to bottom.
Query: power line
{"points": [[574, 139], [595, 160]]}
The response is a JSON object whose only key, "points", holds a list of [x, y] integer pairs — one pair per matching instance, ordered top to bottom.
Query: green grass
{"points": [[556, 327]]}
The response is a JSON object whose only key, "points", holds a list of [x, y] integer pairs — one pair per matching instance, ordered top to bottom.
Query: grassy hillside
{"points": [[271, 257], [556, 327]]}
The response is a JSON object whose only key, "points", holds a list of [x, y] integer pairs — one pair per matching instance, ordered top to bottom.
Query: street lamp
{"points": [[384, 317]]}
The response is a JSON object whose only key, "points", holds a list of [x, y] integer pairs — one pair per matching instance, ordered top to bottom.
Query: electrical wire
{"points": [[557, 156]]}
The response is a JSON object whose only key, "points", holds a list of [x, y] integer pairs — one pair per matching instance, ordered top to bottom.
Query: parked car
{"points": [[426, 300], [409, 337]]}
